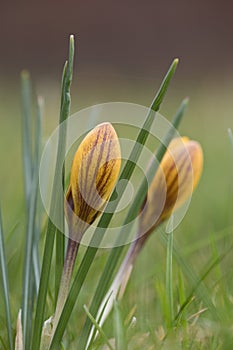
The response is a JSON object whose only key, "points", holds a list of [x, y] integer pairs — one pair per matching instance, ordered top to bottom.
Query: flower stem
{"points": [[71, 253], [120, 281], [169, 288], [50, 325]]}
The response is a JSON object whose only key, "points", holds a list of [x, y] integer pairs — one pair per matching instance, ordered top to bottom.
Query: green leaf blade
{"points": [[64, 113], [26, 129], [30, 184], [51, 229], [5, 285], [119, 327], [100, 330]]}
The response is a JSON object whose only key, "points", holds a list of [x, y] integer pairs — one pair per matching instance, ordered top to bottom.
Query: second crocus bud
{"points": [[94, 173], [176, 178], [173, 183]]}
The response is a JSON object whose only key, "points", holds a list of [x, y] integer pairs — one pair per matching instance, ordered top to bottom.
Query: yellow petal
{"points": [[94, 173], [178, 175]]}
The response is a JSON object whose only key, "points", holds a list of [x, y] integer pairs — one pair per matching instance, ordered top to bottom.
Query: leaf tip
{"points": [[72, 39], [176, 61], [25, 75]]}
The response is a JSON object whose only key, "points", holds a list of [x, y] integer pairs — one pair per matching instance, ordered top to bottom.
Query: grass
{"points": [[55, 200], [195, 285], [5, 287]]}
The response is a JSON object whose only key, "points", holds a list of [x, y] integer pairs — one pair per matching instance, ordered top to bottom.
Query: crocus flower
{"points": [[94, 173], [178, 175]]}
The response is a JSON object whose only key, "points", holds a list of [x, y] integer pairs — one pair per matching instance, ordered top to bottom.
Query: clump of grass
{"points": [[184, 302]]}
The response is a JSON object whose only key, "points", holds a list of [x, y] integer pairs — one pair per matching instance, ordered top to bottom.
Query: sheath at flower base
{"points": [[94, 173], [178, 175]]}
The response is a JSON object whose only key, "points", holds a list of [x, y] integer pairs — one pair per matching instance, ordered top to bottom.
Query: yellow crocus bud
{"points": [[94, 173], [178, 175], [176, 178]]}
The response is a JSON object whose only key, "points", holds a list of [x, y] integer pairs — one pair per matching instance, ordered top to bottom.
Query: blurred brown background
{"points": [[117, 38], [123, 50]]}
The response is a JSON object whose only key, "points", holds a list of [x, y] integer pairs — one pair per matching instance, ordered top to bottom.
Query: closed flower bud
{"points": [[94, 173], [174, 182]]}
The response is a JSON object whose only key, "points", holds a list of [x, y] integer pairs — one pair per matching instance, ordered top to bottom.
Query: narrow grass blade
{"points": [[64, 112], [26, 123], [28, 173], [30, 183], [135, 207], [106, 217], [38, 228], [51, 229], [60, 239], [60, 250], [36, 265], [29, 273], [195, 281], [5, 285], [198, 286], [169, 288], [161, 294], [182, 297], [119, 327], [100, 330], [95, 333]]}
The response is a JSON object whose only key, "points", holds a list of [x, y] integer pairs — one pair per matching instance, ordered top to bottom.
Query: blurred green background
{"points": [[123, 49]]}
